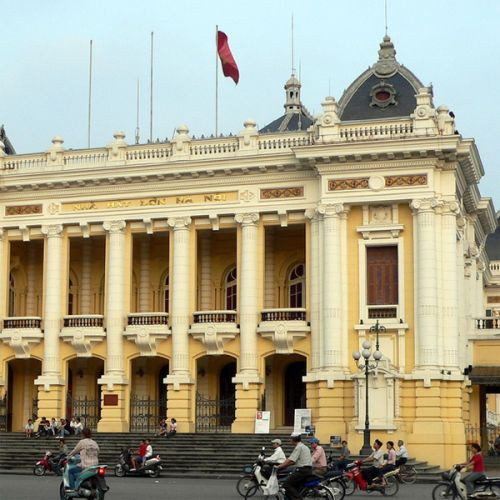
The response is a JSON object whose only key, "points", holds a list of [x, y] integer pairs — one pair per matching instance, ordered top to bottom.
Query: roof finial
{"points": [[386, 64]]}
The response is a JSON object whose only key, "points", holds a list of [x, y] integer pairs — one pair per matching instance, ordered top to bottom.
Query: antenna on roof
{"points": [[385, 17], [293, 68], [329, 86], [90, 95], [137, 131]]}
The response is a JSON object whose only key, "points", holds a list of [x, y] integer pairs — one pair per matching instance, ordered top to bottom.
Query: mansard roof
{"points": [[385, 90], [8, 147], [493, 243]]}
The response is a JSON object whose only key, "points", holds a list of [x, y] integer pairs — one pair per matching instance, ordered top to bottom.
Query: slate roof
{"points": [[357, 102], [289, 122], [9, 148], [493, 244]]}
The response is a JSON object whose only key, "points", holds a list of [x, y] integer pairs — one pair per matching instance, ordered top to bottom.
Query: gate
{"points": [[89, 410], [3, 413], [145, 413], [214, 415]]}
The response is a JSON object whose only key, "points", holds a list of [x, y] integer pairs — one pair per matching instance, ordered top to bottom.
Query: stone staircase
{"points": [[184, 455]]}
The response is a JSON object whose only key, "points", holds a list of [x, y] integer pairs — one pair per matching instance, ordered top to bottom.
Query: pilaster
{"points": [[144, 276]]}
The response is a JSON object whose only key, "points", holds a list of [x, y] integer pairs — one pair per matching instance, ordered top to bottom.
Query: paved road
{"points": [[14, 487]]}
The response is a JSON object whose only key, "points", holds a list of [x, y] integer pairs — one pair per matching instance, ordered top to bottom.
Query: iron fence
{"points": [[88, 410], [145, 413], [214, 415]]}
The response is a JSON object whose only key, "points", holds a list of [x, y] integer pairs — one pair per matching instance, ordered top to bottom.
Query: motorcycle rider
{"points": [[88, 450], [149, 452], [402, 454], [278, 455], [318, 457], [377, 457], [301, 459], [390, 462], [476, 463]]}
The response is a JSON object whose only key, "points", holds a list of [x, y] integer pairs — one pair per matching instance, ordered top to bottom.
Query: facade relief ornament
{"points": [[386, 65], [406, 180], [344, 184], [280, 193], [247, 195], [53, 208], [23, 210], [247, 219], [177, 223], [114, 226], [214, 335]]}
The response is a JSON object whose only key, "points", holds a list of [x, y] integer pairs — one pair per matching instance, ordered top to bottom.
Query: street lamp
{"points": [[369, 364]]}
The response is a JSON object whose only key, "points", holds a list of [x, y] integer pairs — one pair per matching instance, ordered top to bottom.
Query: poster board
{"points": [[302, 420], [262, 422]]}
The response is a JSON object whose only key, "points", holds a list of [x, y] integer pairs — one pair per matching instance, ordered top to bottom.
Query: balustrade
{"points": [[382, 131], [381, 312], [293, 314], [215, 317], [152, 318], [84, 320], [23, 322], [488, 323]]}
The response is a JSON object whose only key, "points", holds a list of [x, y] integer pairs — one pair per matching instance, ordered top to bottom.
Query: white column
{"points": [[205, 275], [144, 276], [313, 281], [332, 287], [85, 288], [269, 292], [247, 295], [426, 296], [449, 296], [114, 307], [31, 309], [179, 310], [52, 311]]}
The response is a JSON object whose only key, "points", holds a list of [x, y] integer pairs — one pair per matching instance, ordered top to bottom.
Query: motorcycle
{"points": [[50, 463], [151, 467], [90, 483], [387, 485], [453, 487]]}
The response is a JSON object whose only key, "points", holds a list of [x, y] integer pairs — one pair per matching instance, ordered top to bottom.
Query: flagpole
{"points": [[216, 81], [151, 95], [90, 96]]}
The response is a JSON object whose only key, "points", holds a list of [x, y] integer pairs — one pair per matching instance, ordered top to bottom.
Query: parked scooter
{"points": [[49, 463], [151, 468], [90, 484], [387, 485], [452, 486]]}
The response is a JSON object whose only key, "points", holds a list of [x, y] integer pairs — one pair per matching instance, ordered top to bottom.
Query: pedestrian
{"points": [[173, 428], [29, 429]]}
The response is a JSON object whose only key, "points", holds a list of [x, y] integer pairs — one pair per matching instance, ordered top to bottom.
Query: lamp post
{"points": [[370, 363]]}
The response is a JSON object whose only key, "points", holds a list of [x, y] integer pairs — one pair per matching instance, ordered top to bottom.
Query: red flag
{"points": [[229, 67]]}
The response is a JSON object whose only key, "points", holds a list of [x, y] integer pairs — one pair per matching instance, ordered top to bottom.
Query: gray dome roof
{"points": [[385, 90], [493, 243]]}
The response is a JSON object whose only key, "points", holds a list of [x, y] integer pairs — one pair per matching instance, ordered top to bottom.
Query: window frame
{"points": [[294, 282], [233, 286]]}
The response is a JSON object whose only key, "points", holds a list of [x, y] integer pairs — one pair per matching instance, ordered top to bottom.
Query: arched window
{"points": [[296, 286], [230, 289], [166, 294], [12, 296], [71, 297]]}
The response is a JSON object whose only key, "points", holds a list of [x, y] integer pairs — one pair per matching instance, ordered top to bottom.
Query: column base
{"points": [[50, 399], [180, 402], [247, 404], [114, 417], [331, 418]]}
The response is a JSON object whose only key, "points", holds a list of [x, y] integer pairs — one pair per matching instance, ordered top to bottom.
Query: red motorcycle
{"points": [[50, 462], [386, 485]]}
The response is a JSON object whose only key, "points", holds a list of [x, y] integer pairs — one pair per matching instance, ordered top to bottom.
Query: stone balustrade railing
{"points": [[184, 147], [381, 312], [289, 314], [214, 317], [148, 318], [84, 321], [23, 322], [488, 323]]}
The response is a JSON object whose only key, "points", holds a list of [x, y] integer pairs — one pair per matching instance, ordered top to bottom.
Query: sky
{"points": [[455, 45]]}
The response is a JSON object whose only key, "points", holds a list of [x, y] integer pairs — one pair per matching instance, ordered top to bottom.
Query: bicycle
{"points": [[407, 474]]}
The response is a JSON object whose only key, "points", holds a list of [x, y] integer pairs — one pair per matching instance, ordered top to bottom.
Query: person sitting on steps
{"points": [[401, 454]]}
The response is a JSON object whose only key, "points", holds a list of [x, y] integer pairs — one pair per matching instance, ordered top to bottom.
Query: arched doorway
{"points": [[284, 389], [215, 394], [83, 398], [21, 399], [148, 400]]}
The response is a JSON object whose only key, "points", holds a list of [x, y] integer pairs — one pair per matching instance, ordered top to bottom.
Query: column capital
{"points": [[421, 205], [450, 208], [332, 209], [247, 219], [177, 223], [114, 226], [53, 230]]}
